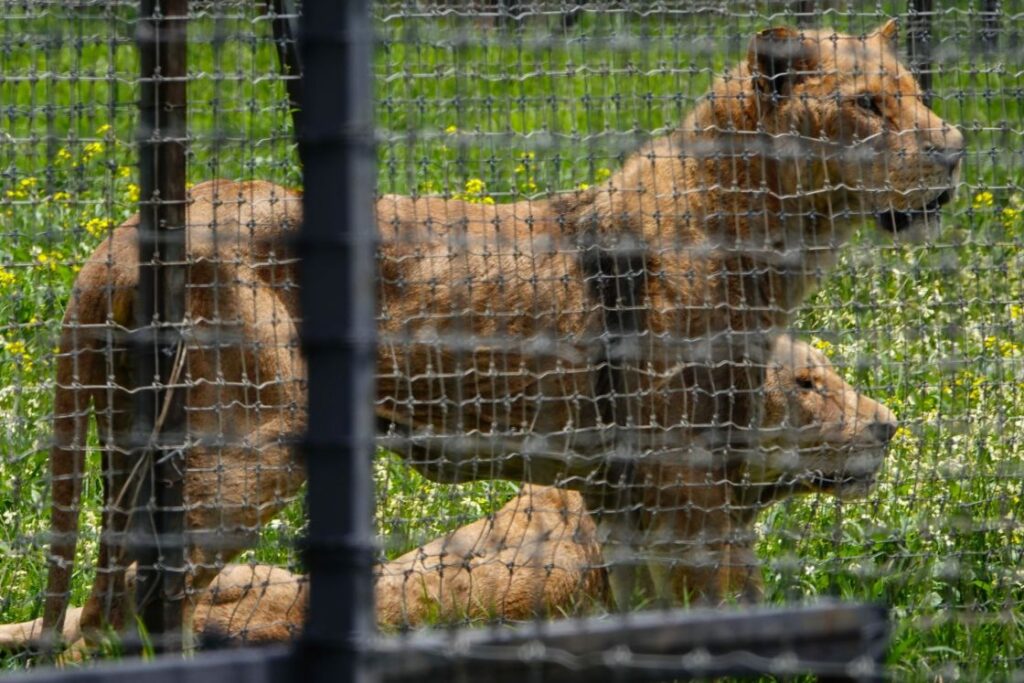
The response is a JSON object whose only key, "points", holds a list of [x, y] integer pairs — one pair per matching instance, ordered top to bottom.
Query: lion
{"points": [[704, 242], [580, 339], [819, 435], [540, 553]]}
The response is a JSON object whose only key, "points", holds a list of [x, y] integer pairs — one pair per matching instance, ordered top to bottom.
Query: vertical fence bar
{"points": [[805, 12], [285, 15], [990, 25], [919, 38], [338, 334], [159, 520]]}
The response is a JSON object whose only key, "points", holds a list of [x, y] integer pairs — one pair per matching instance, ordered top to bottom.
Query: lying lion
{"points": [[593, 339], [820, 434], [539, 554]]}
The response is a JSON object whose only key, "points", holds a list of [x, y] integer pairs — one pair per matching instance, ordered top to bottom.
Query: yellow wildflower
{"points": [[104, 129], [452, 129], [91, 150], [63, 155], [520, 169], [124, 171], [602, 174], [28, 184], [583, 186], [475, 192], [131, 193], [16, 194], [61, 196], [983, 200], [1010, 216], [98, 227], [51, 260], [7, 278], [1016, 312], [823, 345], [1004, 347], [15, 348], [19, 350], [972, 383]]}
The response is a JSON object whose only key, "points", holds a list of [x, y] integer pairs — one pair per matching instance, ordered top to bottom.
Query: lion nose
{"points": [[949, 149], [947, 157], [884, 431]]}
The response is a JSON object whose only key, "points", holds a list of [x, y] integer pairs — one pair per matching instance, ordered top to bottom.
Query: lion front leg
{"points": [[713, 567]]}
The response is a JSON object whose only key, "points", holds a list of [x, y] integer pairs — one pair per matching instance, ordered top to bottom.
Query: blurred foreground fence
{"points": [[610, 361]]}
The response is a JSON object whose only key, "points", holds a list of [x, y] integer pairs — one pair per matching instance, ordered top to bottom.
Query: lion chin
{"points": [[916, 225], [854, 479], [842, 485]]}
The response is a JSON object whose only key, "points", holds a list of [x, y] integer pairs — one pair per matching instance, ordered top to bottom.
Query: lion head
{"points": [[851, 126], [819, 433]]}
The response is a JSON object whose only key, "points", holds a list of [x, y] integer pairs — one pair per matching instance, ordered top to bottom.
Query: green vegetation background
{"points": [[934, 330]]}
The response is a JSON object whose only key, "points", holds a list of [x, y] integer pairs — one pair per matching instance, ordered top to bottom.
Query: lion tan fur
{"points": [[729, 221], [537, 555]]}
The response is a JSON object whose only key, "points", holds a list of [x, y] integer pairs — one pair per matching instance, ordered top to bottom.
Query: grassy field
{"points": [[934, 330]]}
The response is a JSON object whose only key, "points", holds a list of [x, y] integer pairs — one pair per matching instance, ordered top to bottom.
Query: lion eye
{"points": [[869, 102]]}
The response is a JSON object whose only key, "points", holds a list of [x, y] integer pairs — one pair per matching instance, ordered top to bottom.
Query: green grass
{"points": [[936, 331]]}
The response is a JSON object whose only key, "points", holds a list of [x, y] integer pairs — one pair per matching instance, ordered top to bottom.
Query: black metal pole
{"points": [[991, 11], [805, 12], [285, 24], [919, 37], [338, 335], [159, 521]]}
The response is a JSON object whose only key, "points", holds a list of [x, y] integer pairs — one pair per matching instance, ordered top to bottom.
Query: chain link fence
{"points": [[639, 346]]}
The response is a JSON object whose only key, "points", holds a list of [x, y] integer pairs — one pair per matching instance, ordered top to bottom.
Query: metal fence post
{"points": [[805, 12], [285, 22], [990, 26], [919, 39], [338, 334], [159, 517]]}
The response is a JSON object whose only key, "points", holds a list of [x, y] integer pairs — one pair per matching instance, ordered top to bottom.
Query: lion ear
{"points": [[888, 32], [778, 59]]}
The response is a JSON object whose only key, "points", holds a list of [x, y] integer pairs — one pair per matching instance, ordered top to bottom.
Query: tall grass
{"points": [[934, 330]]}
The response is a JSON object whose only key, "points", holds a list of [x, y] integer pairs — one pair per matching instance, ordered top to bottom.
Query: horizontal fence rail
{"points": [[834, 641]]}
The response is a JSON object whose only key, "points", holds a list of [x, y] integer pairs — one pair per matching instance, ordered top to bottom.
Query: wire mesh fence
{"points": [[71, 88], [678, 303]]}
